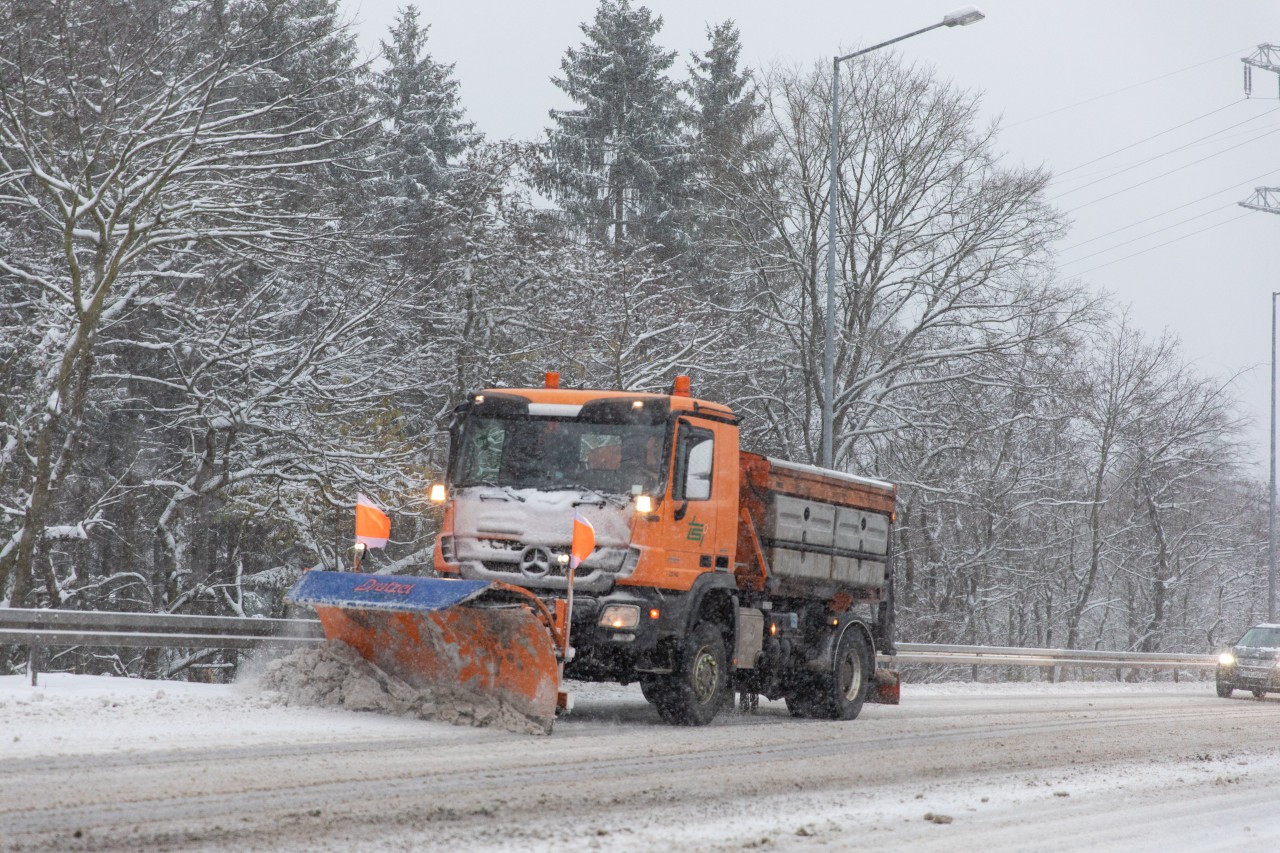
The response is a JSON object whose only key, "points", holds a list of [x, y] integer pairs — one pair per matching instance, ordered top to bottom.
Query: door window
{"points": [[693, 464]]}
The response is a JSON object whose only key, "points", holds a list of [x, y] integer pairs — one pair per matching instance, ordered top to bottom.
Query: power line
{"points": [[1124, 89], [1149, 138], [1164, 154], [1119, 169], [1172, 171], [1166, 213], [1145, 236], [1162, 245]]}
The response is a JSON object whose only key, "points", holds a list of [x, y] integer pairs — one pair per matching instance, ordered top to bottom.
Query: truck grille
{"points": [[556, 570]]}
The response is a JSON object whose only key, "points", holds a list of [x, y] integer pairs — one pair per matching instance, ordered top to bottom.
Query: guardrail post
{"points": [[33, 662]]}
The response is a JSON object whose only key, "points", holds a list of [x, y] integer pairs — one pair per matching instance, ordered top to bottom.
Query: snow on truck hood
{"points": [[538, 517]]}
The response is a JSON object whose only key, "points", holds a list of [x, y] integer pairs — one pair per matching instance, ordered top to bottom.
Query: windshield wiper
{"points": [[509, 491], [601, 500]]}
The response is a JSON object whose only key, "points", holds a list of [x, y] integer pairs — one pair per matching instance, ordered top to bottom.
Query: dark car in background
{"points": [[1251, 664]]}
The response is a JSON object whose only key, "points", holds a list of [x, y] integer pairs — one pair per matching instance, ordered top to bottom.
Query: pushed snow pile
{"points": [[335, 675]]}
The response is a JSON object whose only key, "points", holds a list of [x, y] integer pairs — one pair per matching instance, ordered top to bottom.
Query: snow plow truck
{"points": [[709, 569]]}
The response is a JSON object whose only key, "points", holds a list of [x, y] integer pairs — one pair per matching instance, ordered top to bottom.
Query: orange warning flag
{"points": [[373, 528], [584, 541]]}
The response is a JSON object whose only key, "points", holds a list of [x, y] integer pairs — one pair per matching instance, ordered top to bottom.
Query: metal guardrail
{"points": [[40, 628], [37, 629], [149, 630], [1015, 656]]}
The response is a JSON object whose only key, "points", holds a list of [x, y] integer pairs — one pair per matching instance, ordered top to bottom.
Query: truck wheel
{"points": [[847, 687], [1225, 690], [695, 691], [1258, 693], [837, 695]]}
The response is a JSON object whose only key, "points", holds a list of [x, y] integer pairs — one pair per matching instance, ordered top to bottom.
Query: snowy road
{"points": [[107, 764]]}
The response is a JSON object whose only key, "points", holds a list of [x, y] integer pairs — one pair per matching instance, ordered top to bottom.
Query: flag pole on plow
{"points": [[373, 527], [580, 548]]}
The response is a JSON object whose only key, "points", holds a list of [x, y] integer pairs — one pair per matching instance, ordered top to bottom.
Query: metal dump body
{"points": [[814, 531]]}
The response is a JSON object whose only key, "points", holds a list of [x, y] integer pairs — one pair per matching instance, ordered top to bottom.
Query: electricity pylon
{"points": [[1266, 57], [1267, 199]]}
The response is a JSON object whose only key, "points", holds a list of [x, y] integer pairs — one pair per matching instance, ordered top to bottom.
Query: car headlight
{"points": [[620, 616], [1226, 659]]}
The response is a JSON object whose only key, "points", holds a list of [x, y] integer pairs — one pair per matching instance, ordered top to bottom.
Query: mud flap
{"points": [[456, 636], [886, 687]]}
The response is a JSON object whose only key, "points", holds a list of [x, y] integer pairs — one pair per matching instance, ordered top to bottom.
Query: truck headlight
{"points": [[644, 503], [620, 616], [1227, 659]]}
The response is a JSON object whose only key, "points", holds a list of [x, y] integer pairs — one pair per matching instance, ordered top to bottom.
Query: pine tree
{"points": [[725, 107], [421, 110], [728, 151], [617, 162]]}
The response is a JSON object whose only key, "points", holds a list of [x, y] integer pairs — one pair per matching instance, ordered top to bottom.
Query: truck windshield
{"points": [[552, 453], [1261, 638]]}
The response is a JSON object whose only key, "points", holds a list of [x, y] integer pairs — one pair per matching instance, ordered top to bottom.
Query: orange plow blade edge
{"points": [[487, 642]]}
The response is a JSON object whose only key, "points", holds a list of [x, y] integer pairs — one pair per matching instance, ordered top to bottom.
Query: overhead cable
{"points": [[1235, 52], [1149, 138], [1155, 157], [1172, 171], [1112, 233], [1145, 236], [1162, 245]]}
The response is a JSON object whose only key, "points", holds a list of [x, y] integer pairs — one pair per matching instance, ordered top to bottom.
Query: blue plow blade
{"points": [[383, 592]]}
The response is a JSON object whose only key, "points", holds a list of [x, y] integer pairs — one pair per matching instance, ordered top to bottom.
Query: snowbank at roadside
{"points": [[81, 713]]}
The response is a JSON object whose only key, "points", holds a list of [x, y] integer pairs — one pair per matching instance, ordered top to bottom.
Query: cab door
{"points": [[703, 495]]}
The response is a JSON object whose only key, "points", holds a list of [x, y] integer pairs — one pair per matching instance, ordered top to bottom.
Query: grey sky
{"points": [[1069, 81]]}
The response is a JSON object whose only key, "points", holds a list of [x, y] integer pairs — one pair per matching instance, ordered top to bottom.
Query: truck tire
{"points": [[846, 689], [696, 690], [1225, 690], [839, 694]]}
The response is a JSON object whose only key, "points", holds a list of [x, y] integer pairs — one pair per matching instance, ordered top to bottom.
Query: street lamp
{"points": [[959, 18], [1271, 491]]}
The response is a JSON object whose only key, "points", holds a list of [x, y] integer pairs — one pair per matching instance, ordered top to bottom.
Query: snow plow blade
{"points": [[478, 639], [886, 687]]}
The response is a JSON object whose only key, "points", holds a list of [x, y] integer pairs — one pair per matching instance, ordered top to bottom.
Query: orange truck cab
{"points": [[714, 570]]}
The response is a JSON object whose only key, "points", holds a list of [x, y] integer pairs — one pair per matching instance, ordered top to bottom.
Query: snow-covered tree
{"points": [[420, 106], [724, 121], [137, 156], [617, 163], [939, 263]]}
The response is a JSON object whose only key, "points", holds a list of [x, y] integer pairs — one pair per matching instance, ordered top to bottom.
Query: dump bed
{"points": [[811, 531]]}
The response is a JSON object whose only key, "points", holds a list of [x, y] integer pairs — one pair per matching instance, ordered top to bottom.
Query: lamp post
{"points": [[959, 18], [1271, 491]]}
